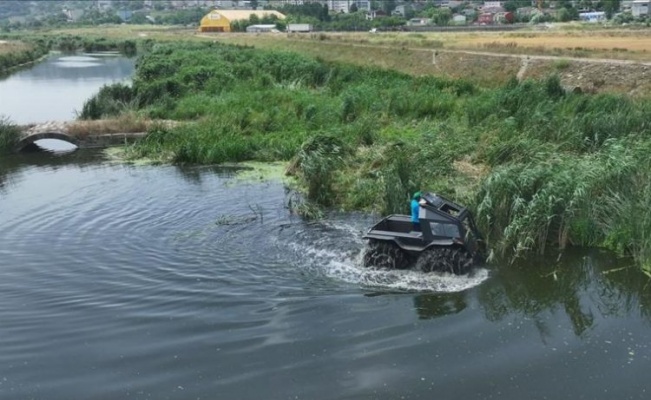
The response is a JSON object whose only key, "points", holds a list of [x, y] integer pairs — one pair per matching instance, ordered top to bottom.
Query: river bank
{"points": [[14, 54]]}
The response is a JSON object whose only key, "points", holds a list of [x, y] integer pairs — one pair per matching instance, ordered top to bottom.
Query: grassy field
{"points": [[618, 44], [489, 59]]}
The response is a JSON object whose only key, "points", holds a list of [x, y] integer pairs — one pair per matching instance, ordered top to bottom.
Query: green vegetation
{"points": [[89, 44], [13, 54], [562, 64], [8, 134], [542, 168]]}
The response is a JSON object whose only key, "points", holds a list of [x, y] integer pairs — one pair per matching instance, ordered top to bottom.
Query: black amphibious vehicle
{"points": [[449, 240]]}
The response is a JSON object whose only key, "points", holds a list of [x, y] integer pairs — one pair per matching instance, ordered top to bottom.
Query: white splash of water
{"points": [[347, 267]]}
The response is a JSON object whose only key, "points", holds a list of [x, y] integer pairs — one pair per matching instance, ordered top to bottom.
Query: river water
{"points": [[55, 90], [164, 282]]}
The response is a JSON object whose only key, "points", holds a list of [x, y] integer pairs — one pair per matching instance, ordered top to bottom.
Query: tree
{"points": [[388, 6], [511, 6], [610, 7], [353, 8], [325, 13], [563, 15], [441, 16], [138, 19]]}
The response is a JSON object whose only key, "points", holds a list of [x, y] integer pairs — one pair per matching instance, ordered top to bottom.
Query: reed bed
{"points": [[16, 53], [9, 133], [542, 168]]}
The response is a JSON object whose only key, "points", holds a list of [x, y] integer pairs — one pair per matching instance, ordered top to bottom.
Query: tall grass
{"points": [[14, 54], [9, 134], [560, 163], [561, 168]]}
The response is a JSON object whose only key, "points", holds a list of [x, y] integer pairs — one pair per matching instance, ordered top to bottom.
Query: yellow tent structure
{"points": [[220, 20]]}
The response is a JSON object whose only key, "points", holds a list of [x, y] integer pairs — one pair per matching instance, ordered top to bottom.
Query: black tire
{"points": [[386, 255], [446, 259]]}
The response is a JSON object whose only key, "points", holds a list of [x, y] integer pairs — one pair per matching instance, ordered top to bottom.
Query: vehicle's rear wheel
{"points": [[380, 254], [446, 259]]}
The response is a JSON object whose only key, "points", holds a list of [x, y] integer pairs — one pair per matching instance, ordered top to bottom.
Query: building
{"points": [[282, 3], [104, 4], [225, 4], [451, 4], [363, 5], [340, 6], [640, 8], [402, 10], [526, 11], [73, 15], [124, 15], [371, 15], [595, 16], [505, 17], [459, 19], [485, 19], [220, 20], [419, 22], [261, 28], [304, 28]]}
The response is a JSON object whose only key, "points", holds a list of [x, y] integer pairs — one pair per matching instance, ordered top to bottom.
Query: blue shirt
{"points": [[414, 210]]}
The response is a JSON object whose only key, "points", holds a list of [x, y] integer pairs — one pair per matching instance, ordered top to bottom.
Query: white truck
{"points": [[299, 28]]}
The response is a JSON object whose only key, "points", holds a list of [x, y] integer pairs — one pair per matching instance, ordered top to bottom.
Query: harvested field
{"points": [[7, 47], [583, 56]]}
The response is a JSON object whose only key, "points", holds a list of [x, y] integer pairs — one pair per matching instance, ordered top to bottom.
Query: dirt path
{"points": [[614, 61], [483, 67], [584, 74]]}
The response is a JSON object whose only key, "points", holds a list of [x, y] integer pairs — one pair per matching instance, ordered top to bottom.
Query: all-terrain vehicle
{"points": [[448, 241]]}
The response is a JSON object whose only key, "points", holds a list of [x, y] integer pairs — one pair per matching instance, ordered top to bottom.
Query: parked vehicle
{"points": [[299, 28]]}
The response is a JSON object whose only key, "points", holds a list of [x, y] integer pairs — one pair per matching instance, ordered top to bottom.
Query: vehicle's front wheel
{"points": [[386, 255], [446, 259]]}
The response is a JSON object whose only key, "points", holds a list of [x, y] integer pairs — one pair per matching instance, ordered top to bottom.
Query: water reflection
{"points": [[75, 69], [55, 146], [54, 154], [12, 166], [195, 174], [586, 286], [429, 306]]}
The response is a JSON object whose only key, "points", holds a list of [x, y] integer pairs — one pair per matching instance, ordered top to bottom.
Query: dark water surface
{"points": [[55, 89], [160, 282]]}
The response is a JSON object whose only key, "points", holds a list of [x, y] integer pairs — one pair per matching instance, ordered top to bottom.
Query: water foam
{"points": [[337, 254]]}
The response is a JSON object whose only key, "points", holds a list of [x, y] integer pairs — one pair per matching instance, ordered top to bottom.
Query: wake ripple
{"points": [[337, 251]]}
